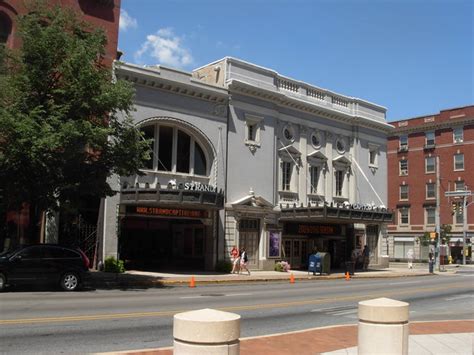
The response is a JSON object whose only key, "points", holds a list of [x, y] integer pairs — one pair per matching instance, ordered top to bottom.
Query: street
{"points": [[114, 320]]}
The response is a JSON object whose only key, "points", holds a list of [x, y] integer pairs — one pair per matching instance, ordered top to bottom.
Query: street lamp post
{"points": [[464, 194]]}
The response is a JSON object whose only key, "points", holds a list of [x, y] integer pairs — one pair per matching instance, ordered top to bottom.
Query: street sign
{"points": [[458, 193]]}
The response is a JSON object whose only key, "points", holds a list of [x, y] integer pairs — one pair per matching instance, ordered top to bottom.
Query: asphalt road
{"points": [[114, 320]]}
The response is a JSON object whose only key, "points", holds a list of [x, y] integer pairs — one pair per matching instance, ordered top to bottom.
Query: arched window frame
{"points": [[6, 27], [194, 139]]}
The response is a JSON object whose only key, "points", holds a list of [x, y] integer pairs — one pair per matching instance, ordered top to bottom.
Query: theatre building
{"points": [[247, 157], [306, 168], [171, 216]]}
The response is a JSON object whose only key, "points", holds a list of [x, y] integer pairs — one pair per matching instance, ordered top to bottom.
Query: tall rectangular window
{"points": [[458, 135], [430, 138], [403, 142], [165, 148], [183, 153], [459, 161], [430, 164], [404, 167], [286, 168], [314, 179], [339, 182], [430, 190], [403, 192], [404, 215], [430, 215]]}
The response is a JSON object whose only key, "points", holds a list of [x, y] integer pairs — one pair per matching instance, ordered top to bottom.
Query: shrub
{"points": [[114, 265], [224, 266], [282, 266]]}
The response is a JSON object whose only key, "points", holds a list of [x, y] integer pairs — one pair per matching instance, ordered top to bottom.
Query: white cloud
{"points": [[126, 21], [167, 48]]}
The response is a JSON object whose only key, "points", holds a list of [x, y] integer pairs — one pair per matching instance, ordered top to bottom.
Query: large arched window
{"points": [[5, 27], [174, 150]]}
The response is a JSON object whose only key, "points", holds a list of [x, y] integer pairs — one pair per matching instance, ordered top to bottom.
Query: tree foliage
{"points": [[65, 124]]}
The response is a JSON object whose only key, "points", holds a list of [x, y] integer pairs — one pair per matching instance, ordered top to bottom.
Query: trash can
{"points": [[323, 263], [350, 267]]}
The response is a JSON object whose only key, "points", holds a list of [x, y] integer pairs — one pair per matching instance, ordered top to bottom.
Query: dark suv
{"points": [[44, 264]]}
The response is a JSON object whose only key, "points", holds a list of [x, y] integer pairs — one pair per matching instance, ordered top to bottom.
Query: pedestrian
{"points": [[366, 256], [410, 256], [235, 259], [244, 260], [431, 262]]}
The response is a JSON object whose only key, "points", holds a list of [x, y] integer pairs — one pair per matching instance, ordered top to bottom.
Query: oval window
{"points": [[288, 133], [316, 140], [340, 146]]}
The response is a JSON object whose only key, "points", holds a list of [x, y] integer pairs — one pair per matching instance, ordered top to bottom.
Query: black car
{"points": [[44, 264]]}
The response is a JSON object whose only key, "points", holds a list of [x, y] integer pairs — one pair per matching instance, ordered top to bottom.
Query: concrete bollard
{"points": [[383, 327], [206, 331]]}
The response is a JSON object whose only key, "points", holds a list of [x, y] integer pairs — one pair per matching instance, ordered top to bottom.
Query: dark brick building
{"points": [[412, 152]]}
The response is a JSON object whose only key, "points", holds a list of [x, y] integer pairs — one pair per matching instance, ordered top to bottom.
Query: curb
{"points": [[116, 282]]}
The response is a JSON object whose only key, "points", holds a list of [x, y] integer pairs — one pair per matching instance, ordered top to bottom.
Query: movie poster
{"points": [[274, 244]]}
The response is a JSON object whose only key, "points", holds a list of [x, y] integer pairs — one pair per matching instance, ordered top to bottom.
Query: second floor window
{"points": [[459, 161], [430, 164], [404, 167], [286, 170], [314, 179], [339, 182], [459, 185], [430, 190], [403, 192], [404, 215], [430, 215], [458, 215]]}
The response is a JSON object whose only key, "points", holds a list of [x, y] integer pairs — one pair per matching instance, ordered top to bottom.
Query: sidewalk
{"points": [[146, 279], [440, 337]]}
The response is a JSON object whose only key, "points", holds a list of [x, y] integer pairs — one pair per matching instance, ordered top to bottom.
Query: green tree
{"points": [[65, 123]]}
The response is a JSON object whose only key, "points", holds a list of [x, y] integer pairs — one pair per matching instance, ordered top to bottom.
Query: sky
{"points": [[414, 57]]}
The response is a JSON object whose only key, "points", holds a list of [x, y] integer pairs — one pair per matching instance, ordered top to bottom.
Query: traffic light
{"points": [[454, 207]]}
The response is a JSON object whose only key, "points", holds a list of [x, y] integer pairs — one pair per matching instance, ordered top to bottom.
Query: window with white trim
{"points": [[458, 134], [430, 138], [403, 142], [174, 150], [373, 155], [459, 161], [430, 165], [404, 167], [286, 172], [314, 172], [340, 176], [459, 185], [430, 190], [403, 192], [430, 213], [404, 215]]}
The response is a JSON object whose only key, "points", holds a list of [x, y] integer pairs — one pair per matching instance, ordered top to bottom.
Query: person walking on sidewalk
{"points": [[366, 256], [410, 256], [235, 259], [244, 260], [431, 262]]}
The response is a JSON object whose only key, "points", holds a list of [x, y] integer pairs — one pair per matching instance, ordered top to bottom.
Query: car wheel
{"points": [[70, 281], [3, 282]]}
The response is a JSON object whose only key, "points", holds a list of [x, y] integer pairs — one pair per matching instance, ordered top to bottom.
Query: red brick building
{"points": [[100, 13], [103, 14], [413, 150]]}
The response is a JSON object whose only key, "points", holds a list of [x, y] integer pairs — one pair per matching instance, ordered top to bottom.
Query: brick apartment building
{"points": [[102, 14], [412, 153]]}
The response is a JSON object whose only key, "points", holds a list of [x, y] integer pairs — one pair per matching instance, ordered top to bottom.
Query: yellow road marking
{"points": [[231, 308]]}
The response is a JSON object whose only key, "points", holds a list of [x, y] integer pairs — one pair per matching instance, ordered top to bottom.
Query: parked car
{"points": [[44, 264]]}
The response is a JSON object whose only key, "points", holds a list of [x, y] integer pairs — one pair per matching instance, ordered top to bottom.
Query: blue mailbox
{"points": [[314, 263]]}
